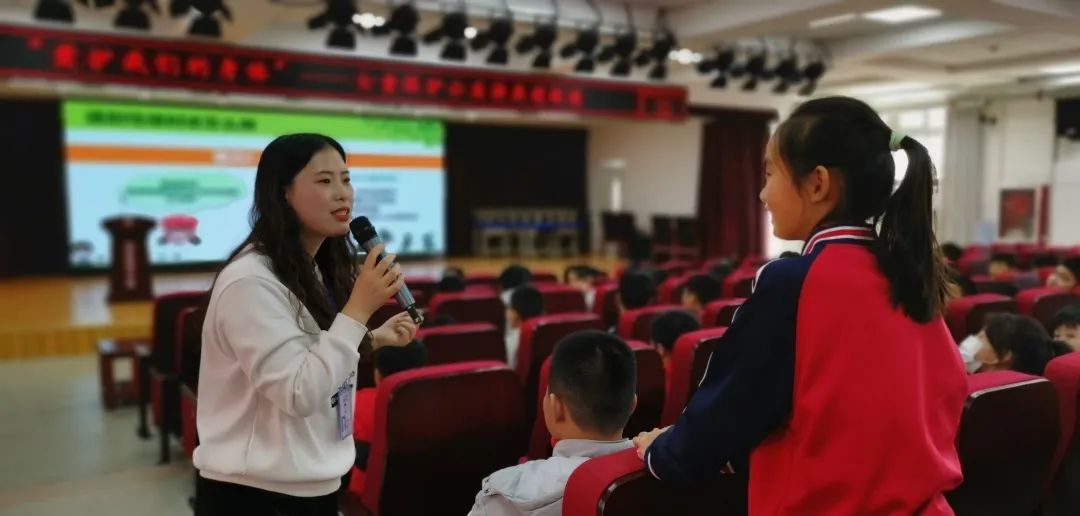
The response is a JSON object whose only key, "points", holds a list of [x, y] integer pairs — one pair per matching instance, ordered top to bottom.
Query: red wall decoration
{"points": [[34, 52]]}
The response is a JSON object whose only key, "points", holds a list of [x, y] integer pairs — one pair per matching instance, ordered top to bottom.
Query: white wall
{"points": [[1018, 152], [657, 163], [1065, 191]]}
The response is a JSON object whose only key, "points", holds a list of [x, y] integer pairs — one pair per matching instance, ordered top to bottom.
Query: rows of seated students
{"points": [[573, 401]]}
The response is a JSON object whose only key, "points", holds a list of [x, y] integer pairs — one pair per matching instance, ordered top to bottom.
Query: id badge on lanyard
{"points": [[342, 400]]}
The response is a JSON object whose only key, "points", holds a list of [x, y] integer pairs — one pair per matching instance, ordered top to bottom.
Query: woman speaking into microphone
{"points": [[285, 327]]}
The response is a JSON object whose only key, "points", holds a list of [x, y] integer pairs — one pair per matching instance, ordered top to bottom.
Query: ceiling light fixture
{"points": [[902, 14]]}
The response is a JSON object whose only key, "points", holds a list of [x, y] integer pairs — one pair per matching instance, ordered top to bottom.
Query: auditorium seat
{"points": [[753, 262], [972, 265], [675, 267], [1045, 273], [544, 277], [483, 279], [1025, 280], [739, 283], [988, 285], [422, 287], [670, 291], [561, 299], [1044, 303], [605, 304], [469, 307], [720, 312], [384, 313], [966, 315], [637, 324], [537, 338], [462, 343], [188, 353], [688, 361], [162, 372], [650, 389], [646, 416], [439, 430], [1008, 434], [617, 485], [1063, 497]]}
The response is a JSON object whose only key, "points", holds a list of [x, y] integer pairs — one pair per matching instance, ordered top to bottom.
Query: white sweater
{"points": [[266, 380]]}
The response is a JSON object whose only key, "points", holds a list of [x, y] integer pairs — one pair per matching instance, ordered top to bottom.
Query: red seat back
{"points": [[675, 267], [544, 277], [483, 279], [739, 283], [988, 285], [422, 287], [670, 291], [561, 299], [1044, 303], [605, 304], [469, 307], [166, 309], [720, 312], [966, 315], [637, 324], [537, 338], [462, 343], [189, 345], [688, 362], [650, 389], [650, 393], [443, 428], [1008, 434], [617, 485], [1064, 496]]}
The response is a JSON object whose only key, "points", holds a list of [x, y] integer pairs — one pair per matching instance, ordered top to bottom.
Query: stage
{"points": [[67, 316]]}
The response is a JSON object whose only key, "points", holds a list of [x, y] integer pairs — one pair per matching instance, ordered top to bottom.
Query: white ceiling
{"points": [[974, 46]]}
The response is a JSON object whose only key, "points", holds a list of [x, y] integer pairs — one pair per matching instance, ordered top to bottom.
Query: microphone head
{"points": [[362, 230]]}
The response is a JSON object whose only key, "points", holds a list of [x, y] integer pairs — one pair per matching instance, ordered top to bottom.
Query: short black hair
{"points": [[951, 251], [789, 254], [1006, 258], [1073, 264], [721, 270], [453, 271], [581, 271], [514, 276], [659, 276], [451, 283], [704, 287], [967, 287], [636, 289], [527, 302], [1068, 316], [669, 326], [1025, 338], [395, 359], [595, 375]]}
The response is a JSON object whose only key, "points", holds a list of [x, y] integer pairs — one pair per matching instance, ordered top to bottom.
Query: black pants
{"points": [[213, 498]]}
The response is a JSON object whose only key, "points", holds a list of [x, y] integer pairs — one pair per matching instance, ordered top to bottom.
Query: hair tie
{"points": [[895, 139]]}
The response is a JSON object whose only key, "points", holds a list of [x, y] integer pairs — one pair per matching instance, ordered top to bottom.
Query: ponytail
{"points": [[906, 248]]}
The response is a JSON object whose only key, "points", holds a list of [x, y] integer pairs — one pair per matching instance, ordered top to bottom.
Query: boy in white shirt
{"points": [[525, 303], [591, 394]]}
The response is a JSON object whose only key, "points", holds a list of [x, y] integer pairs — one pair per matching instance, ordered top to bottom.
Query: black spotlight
{"points": [[97, 4], [54, 11], [338, 13], [133, 16], [403, 21], [206, 23], [452, 29], [497, 36], [542, 38], [662, 44], [585, 45], [622, 51], [755, 66], [788, 69], [658, 72], [812, 73], [719, 82], [750, 84], [781, 87], [808, 89]]}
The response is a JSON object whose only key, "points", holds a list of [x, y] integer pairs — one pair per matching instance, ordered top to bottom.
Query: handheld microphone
{"points": [[368, 238]]}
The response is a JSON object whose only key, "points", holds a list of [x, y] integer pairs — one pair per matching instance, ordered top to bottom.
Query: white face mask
{"points": [[968, 348]]}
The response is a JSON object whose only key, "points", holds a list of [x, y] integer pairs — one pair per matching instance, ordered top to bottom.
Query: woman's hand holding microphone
{"points": [[375, 284]]}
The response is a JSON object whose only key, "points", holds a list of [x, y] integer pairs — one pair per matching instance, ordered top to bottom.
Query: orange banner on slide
{"points": [[227, 157]]}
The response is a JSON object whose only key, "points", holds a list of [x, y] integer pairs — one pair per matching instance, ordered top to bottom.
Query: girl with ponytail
{"points": [[838, 388]]}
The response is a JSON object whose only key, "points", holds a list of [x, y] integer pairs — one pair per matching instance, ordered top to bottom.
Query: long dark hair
{"points": [[850, 139], [275, 230], [1027, 340]]}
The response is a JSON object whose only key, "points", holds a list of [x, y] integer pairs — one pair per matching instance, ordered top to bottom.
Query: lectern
{"points": [[129, 277]]}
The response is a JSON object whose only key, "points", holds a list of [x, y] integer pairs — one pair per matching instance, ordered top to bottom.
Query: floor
{"points": [[62, 454]]}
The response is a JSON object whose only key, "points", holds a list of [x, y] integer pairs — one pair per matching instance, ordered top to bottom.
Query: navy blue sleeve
{"points": [[747, 389]]}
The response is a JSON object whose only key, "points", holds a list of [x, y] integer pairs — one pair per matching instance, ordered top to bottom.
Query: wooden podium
{"points": [[129, 276]]}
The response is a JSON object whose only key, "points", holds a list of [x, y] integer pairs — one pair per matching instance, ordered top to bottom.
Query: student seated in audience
{"points": [[952, 253], [1002, 267], [721, 270], [454, 271], [1066, 276], [581, 277], [511, 278], [451, 283], [963, 284], [636, 290], [700, 290], [525, 303], [439, 320], [1067, 326], [666, 330], [1010, 342], [387, 361], [589, 399]]}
